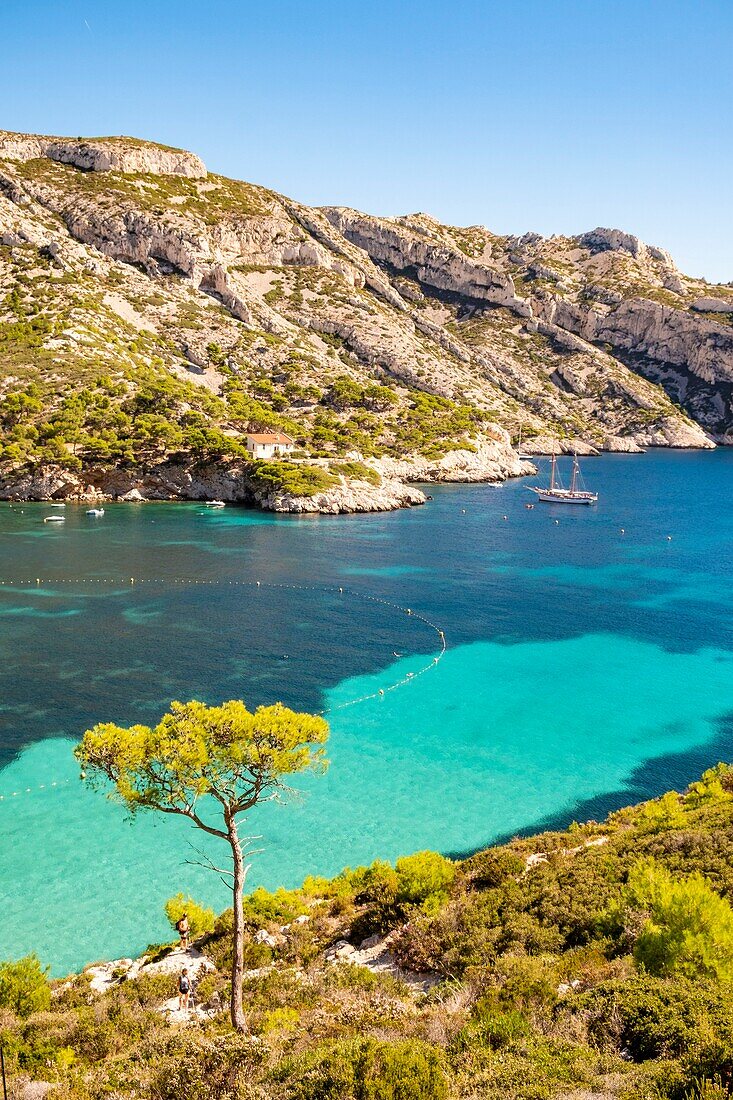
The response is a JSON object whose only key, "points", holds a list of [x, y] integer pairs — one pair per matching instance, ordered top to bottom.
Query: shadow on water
{"points": [[671, 771]]}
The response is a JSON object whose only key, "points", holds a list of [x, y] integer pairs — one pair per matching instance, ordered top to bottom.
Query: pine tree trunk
{"points": [[237, 1010]]}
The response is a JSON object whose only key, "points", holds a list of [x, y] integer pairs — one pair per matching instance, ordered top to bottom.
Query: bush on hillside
{"points": [[288, 477], [714, 786], [492, 868], [424, 879], [417, 883], [280, 906], [200, 919], [690, 927], [24, 987], [654, 1017], [492, 1027], [199, 1067], [366, 1069]]}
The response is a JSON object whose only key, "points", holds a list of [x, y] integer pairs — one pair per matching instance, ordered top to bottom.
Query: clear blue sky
{"points": [[549, 115]]}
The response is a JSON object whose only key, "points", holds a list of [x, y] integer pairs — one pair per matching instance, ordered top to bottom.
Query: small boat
{"points": [[556, 494], [57, 504], [215, 504], [95, 511], [53, 519]]}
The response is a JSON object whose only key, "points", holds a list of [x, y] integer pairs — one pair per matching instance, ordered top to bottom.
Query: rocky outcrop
{"points": [[103, 154], [598, 240], [435, 264], [713, 305], [639, 326], [489, 460], [231, 482], [355, 496]]}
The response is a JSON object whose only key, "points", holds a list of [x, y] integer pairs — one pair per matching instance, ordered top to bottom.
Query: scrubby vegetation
{"points": [[592, 962]]}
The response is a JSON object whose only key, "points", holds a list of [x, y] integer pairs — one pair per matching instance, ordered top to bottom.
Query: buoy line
{"points": [[409, 678]]}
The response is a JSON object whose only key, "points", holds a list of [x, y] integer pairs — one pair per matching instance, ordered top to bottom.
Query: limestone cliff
{"points": [[152, 312]]}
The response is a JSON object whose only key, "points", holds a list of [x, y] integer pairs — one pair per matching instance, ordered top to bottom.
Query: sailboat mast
{"points": [[552, 472], [574, 482]]}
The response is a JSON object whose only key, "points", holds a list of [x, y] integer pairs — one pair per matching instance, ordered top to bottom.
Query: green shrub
{"points": [[359, 471], [287, 477], [714, 786], [663, 813], [492, 868], [424, 879], [420, 881], [272, 906], [200, 919], [690, 927], [24, 987], [655, 1017], [278, 1019], [492, 1027], [199, 1067], [366, 1069]]}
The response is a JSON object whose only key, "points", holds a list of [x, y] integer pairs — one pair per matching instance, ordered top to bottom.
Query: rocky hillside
{"points": [[152, 312]]}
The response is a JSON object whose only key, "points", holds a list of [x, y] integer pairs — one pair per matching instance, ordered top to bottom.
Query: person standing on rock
{"points": [[182, 928], [184, 990]]}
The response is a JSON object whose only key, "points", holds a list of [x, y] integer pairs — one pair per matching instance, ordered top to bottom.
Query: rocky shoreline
{"points": [[491, 460], [229, 482]]}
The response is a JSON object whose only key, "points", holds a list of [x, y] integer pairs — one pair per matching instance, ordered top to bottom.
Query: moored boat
{"points": [[555, 493]]}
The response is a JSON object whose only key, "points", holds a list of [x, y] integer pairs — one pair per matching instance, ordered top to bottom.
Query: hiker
{"points": [[182, 929], [184, 990]]}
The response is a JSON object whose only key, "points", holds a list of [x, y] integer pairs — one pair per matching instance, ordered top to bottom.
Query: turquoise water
{"points": [[586, 668]]}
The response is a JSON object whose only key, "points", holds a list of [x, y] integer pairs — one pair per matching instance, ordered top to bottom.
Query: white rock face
{"points": [[103, 155], [616, 240], [436, 264], [713, 305], [492, 460], [229, 482], [356, 496]]}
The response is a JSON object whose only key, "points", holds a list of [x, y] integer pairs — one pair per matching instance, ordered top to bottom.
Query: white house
{"points": [[269, 444]]}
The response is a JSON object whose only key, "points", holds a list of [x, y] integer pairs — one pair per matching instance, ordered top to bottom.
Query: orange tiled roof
{"points": [[268, 437]]}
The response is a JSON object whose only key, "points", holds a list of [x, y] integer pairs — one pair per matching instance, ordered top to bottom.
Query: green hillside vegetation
{"points": [[110, 394], [602, 967]]}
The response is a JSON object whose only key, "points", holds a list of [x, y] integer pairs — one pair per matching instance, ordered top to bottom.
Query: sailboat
{"points": [[556, 494]]}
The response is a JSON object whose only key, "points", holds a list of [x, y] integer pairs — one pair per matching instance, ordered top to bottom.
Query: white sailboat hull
{"points": [[565, 496]]}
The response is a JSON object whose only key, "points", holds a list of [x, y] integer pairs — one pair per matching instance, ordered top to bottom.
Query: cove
{"points": [[589, 665], [433, 764]]}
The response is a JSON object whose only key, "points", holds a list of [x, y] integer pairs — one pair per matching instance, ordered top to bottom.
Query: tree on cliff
{"points": [[199, 758]]}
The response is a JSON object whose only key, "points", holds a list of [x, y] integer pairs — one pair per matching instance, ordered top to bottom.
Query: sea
{"points": [[588, 664]]}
